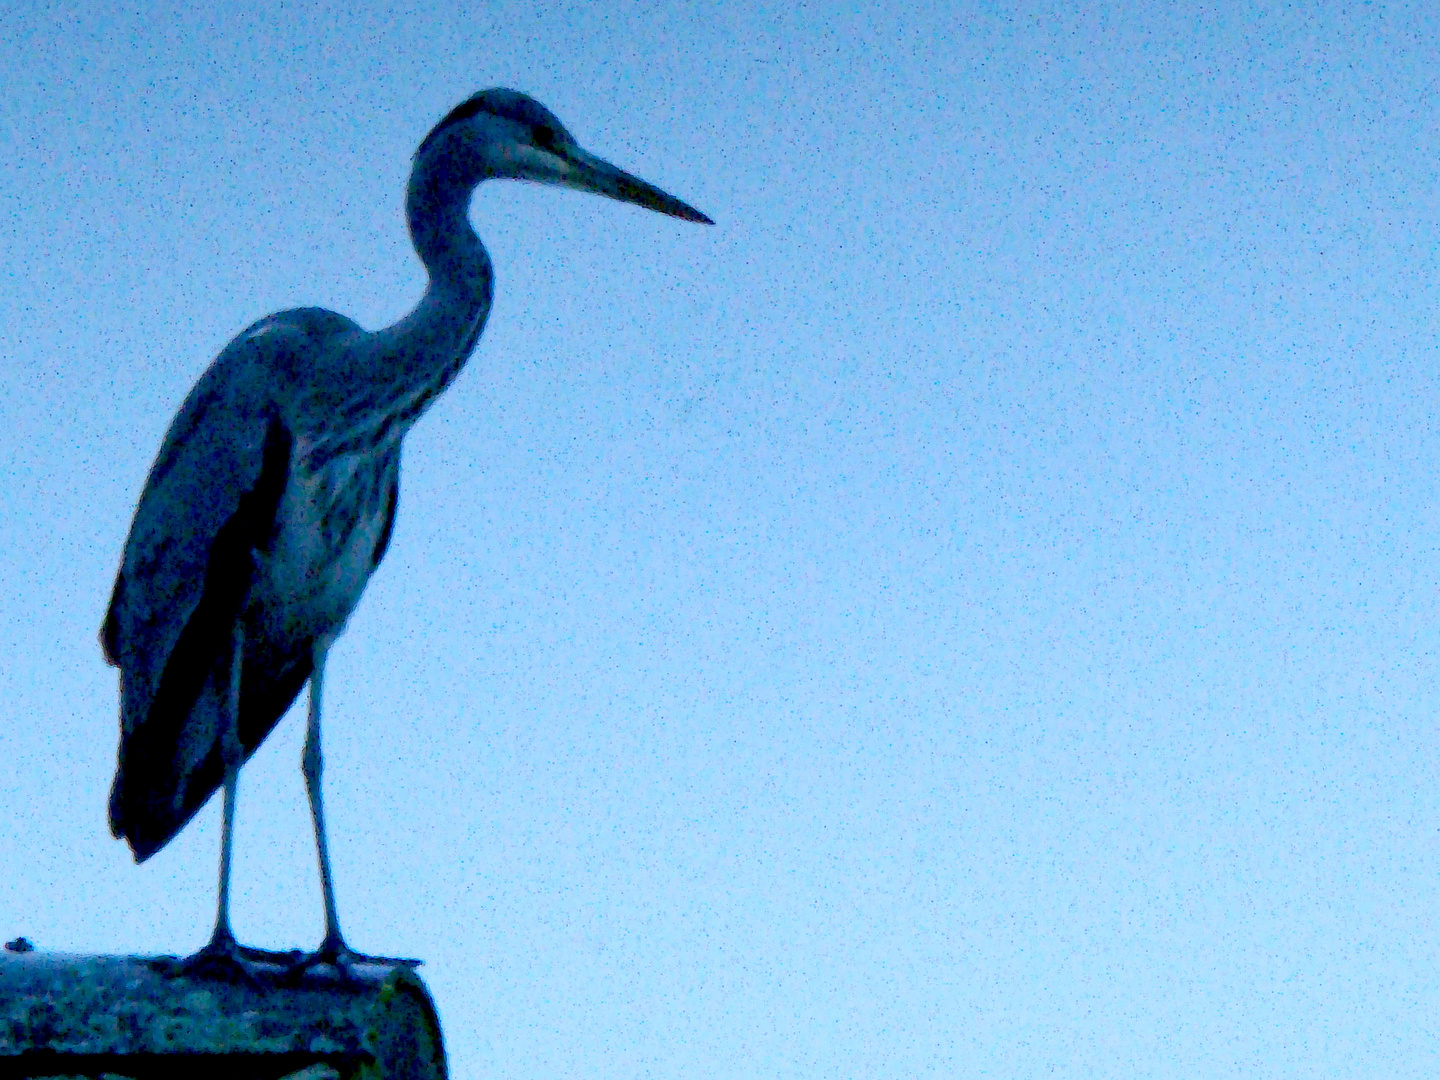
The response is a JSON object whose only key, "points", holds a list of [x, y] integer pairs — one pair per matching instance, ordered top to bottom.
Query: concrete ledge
{"points": [[138, 1018]]}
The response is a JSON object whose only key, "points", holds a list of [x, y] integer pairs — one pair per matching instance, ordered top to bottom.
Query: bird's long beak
{"points": [[589, 173]]}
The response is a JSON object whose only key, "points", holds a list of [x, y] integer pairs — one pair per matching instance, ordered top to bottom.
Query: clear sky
{"points": [[971, 612]]}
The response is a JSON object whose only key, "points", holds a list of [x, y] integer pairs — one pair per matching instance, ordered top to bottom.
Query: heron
{"points": [[272, 500]]}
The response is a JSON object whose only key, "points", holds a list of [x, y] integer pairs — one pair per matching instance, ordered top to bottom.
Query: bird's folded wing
{"points": [[213, 457]]}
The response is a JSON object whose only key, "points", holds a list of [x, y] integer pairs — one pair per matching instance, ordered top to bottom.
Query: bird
{"points": [[272, 500]]}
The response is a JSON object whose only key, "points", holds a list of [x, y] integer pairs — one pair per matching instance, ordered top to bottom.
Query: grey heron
{"points": [[273, 495]]}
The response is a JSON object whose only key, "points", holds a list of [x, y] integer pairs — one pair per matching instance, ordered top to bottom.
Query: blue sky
{"points": [[971, 612]]}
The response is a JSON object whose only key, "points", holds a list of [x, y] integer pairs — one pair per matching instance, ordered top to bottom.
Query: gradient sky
{"points": [[971, 612]]}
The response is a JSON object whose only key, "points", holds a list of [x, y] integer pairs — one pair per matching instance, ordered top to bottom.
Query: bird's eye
{"points": [[545, 137]]}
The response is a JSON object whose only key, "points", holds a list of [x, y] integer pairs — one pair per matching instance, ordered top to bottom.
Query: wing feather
{"points": [[210, 498]]}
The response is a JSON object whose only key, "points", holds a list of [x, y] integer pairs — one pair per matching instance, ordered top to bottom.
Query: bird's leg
{"points": [[231, 753], [312, 765], [223, 935], [333, 949], [224, 957]]}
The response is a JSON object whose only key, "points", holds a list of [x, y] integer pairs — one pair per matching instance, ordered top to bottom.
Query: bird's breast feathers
{"points": [[321, 555]]}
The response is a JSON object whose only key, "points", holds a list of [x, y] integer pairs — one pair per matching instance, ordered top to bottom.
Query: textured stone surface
{"points": [[136, 1016]]}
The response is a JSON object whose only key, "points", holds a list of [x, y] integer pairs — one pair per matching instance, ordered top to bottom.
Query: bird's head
{"points": [[505, 134]]}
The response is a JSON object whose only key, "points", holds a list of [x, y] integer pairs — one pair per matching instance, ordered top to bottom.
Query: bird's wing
{"points": [[212, 458], [210, 497]]}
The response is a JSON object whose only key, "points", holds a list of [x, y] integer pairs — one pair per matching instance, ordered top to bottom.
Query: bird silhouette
{"points": [[273, 496]]}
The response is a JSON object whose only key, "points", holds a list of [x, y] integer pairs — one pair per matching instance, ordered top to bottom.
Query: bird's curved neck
{"points": [[437, 205], [424, 351]]}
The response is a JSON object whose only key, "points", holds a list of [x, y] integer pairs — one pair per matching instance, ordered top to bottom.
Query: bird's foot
{"points": [[333, 952], [226, 960]]}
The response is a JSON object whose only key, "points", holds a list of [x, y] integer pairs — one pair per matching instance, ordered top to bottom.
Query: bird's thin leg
{"points": [[232, 754], [313, 764], [223, 933], [333, 949], [223, 957]]}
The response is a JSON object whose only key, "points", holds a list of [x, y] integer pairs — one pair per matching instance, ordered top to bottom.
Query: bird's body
{"points": [[273, 497]]}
